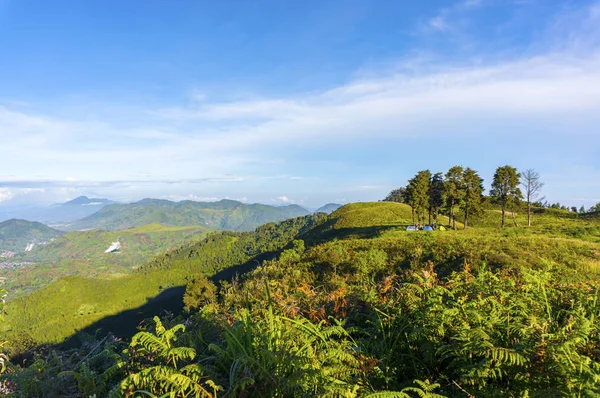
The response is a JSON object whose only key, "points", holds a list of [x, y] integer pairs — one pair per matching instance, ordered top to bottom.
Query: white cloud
{"points": [[439, 23], [5, 194], [284, 199]]}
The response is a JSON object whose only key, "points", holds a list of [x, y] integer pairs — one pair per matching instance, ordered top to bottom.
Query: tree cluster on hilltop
{"points": [[462, 189]]}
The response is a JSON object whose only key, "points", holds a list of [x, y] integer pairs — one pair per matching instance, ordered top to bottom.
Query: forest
{"points": [[503, 302]]}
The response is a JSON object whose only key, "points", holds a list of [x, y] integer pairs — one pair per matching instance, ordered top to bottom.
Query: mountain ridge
{"points": [[224, 214]]}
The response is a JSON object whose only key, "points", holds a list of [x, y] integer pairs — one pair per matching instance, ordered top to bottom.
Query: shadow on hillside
{"points": [[326, 232], [125, 324]]}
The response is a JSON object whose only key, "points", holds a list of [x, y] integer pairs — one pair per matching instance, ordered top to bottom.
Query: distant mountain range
{"points": [[328, 208], [58, 213], [224, 214], [17, 235]]}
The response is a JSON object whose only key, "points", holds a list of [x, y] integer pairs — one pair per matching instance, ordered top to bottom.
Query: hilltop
{"points": [[224, 214], [16, 235]]}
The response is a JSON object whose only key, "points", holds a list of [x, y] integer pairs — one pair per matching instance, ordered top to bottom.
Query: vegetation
{"points": [[532, 185], [505, 190], [224, 214], [15, 235], [82, 253], [343, 305], [53, 313]]}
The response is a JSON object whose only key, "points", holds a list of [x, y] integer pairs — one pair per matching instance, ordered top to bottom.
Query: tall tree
{"points": [[530, 179], [505, 189], [453, 190], [420, 193], [473, 194], [397, 195], [436, 195]]}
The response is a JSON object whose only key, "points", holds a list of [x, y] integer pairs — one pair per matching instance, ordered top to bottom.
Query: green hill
{"points": [[224, 214], [15, 235], [83, 253], [348, 304], [57, 311]]}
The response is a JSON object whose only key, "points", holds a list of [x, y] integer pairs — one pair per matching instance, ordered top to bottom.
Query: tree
{"points": [[532, 184], [421, 188], [505, 189], [453, 190], [473, 194], [397, 195], [436, 195], [594, 208], [582, 209], [198, 293]]}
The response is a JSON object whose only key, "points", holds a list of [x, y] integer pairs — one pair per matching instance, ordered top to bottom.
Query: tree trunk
{"points": [[452, 213], [528, 213], [413, 214], [430, 216], [502, 216], [466, 217], [514, 218]]}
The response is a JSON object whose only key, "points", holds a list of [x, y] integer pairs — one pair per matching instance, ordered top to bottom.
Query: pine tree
{"points": [[505, 190], [453, 191], [420, 193], [473, 194], [397, 195], [436, 195]]}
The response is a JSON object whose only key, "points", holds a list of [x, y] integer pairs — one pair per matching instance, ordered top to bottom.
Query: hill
{"points": [[328, 208], [60, 213], [224, 214], [16, 235], [83, 253], [346, 304], [55, 312]]}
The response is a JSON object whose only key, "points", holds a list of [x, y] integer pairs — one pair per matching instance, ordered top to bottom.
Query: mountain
{"points": [[328, 208], [74, 209], [58, 213], [224, 214], [16, 235], [83, 253]]}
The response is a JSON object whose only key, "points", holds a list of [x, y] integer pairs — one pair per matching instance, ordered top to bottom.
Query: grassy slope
{"points": [[225, 214], [349, 231], [15, 235], [82, 253], [57, 311]]}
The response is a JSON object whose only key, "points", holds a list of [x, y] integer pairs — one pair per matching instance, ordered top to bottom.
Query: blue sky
{"points": [[293, 102]]}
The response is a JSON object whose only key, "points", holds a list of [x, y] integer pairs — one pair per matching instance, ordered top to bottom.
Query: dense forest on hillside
{"points": [[346, 305]]}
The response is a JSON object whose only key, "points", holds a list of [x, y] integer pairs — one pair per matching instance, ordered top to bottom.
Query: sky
{"points": [[304, 102]]}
